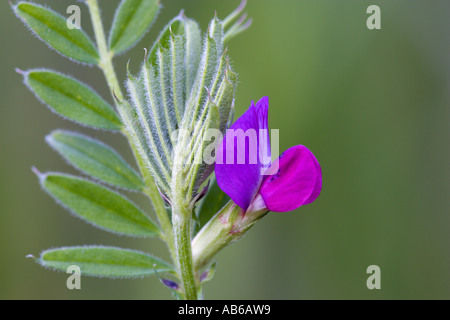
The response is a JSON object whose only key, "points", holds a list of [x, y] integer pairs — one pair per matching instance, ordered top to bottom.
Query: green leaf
{"points": [[132, 21], [51, 28], [189, 30], [181, 92], [158, 96], [72, 99], [209, 107], [95, 158], [199, 170], [213, 201], [98, 205], [98, 261]]}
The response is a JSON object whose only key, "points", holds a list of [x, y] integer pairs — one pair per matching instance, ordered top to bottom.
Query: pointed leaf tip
{"points": [[235, 13], [242, 18], [236, 27], [145, 54], [20, 71], [36, 171]]}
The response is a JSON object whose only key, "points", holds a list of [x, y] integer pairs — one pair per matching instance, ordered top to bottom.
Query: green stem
{"points": [[105, 55], [107, 67], [227, 226], [182, 228], [215, 235]]}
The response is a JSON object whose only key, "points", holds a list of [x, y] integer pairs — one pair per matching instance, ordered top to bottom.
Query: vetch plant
{"points": [[184, 91], [291, 181]]}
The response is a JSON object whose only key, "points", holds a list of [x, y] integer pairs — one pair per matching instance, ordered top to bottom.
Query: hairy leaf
{"points": [[132, 20], [51, 28], [190, 32], [181, 93], [158, 96], [72, 99], [209, 107], [95, 158], [98, 205], [99, 261]]}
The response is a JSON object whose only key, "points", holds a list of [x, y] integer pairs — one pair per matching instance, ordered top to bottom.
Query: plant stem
{"points": [[105, 55], [107, 67], [182, 220], [228, 225], [215, 235]]}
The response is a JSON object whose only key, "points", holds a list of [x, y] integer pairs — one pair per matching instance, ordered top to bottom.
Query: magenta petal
{"points": [[262, 113], [241, 178], [298, 180], [318, 186]]}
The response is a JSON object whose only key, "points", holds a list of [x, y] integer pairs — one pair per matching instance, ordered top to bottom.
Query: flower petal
{"points": [[262, 113], [238, 166], [296, 181], [318, 186]]}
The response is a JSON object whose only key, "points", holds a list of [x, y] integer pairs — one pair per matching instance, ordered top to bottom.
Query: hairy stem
{"points": [[105, 55], [107, 67], [227, 226], [183, 231], [215, 235]]}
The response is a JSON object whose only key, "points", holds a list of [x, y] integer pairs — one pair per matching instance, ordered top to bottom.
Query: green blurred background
{"points": [[373, 106]]}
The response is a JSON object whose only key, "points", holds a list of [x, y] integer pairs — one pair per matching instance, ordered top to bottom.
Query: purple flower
{"points": [[293, 180]]}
